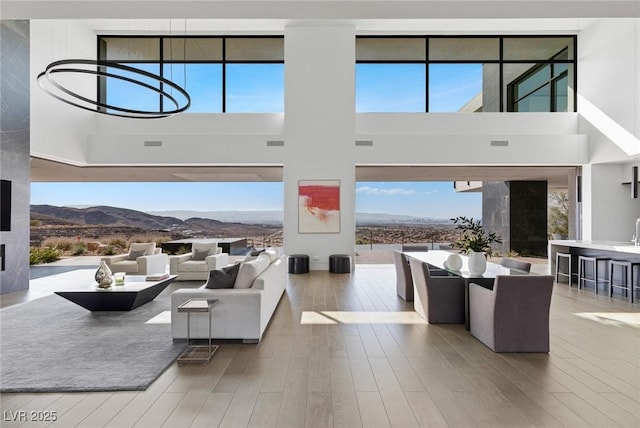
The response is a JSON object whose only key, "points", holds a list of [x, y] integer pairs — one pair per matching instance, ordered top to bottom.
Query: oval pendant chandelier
{"points": [[180, 100]]}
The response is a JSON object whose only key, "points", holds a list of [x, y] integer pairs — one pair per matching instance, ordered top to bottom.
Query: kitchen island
{"points": [[615, 250]]}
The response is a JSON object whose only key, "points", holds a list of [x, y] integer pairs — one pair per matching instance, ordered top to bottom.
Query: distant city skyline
{"points": [[417, 199]]}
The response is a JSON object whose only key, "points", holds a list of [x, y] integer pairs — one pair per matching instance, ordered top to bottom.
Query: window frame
{"points": [[501, 61], [553, 78], [102, 90]]}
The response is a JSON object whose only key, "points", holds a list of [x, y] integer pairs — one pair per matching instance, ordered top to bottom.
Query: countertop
{"points": [[622, 247]]}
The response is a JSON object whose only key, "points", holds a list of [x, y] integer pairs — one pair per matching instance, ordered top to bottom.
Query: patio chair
{"points": [[142, 259], [196, 265]]}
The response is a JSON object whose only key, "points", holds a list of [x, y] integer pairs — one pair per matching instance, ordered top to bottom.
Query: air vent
{"points": [[153, 143], [275, 143], [364, 143], [499, 143]]}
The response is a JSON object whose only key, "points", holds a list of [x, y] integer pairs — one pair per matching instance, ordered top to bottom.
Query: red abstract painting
{"points": [[319, 206]]}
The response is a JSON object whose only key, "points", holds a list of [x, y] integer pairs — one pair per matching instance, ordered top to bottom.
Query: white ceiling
{"points": [[318, 9], [362, 26], [43, 170]]}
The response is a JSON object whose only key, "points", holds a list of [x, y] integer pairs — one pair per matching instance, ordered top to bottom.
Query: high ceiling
{"points": [[269, 16]]}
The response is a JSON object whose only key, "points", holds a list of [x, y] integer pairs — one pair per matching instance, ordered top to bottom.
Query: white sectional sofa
{"points": [[241, 313]]}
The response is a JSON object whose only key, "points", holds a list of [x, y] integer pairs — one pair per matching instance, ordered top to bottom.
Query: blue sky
{"points": [[420, 199]]}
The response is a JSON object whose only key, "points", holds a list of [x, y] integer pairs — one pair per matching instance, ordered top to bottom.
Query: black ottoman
{"points": [[298, 263], [339, 263]]}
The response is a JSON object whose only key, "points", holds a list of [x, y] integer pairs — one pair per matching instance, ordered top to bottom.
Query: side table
{"points": [[197, 353]]}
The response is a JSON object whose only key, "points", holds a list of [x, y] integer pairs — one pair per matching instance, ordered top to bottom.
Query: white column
{"points": [[319, 131]]}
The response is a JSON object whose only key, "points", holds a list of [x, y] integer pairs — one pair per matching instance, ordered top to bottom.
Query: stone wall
{"points": [[15, 150], [517, 211]]}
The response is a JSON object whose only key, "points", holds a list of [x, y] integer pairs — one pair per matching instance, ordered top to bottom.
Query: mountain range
{"points": [[276, 216], [184, 219]]}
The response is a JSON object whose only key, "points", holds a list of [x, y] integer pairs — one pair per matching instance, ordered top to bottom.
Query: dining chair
{"points": [[515, 264], [404, 281], [437, 299], [514, 316]]}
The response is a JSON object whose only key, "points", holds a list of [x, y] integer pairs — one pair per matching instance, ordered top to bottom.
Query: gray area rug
{"points": [[51, 344]]}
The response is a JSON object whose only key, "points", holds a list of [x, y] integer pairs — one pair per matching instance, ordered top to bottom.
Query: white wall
{"points": [[609, 69], [609, 108], [59, 131], [319, 131], [195, 139], [609, 212]]}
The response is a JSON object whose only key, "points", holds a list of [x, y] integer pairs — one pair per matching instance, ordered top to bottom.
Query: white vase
{"points": [[454, 262], [477, 263], [103, 275]]}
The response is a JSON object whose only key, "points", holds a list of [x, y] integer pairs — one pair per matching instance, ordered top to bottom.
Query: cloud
{"points": [[377, 191]]}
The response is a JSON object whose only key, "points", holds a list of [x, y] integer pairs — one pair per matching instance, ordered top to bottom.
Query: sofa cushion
{"points": [[149, 248], [208, 248], [134, 254], [253, 254], [199, 255], [273, 256], [125, 265], [192, 266], [250, 270], [223, 278]]}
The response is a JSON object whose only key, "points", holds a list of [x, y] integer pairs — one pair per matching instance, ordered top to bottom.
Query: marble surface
{"points": [[15, 150]]}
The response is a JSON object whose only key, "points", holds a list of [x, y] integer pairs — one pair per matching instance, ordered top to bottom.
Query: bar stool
{"points": [[594, 261], [625, 266], [568, 273], [634, 287]]}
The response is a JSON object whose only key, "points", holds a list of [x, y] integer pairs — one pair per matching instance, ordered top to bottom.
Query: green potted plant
{"points": [[475, 241]]}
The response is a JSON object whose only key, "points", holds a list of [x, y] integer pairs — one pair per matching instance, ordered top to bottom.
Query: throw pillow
{"points": [[148, 247], [133, 254], [199, 254], [253, 254], [273, 256], [250, 271], [223, 278]]}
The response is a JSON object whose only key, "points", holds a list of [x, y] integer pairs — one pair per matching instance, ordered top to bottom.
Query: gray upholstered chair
{"points": [[415, 247], [515, 264], [404, 282], [437, 299], [514, 316]]}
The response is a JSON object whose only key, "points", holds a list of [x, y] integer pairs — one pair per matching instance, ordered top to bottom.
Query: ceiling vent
{"points": [[156, 143], [275, 143], [364, 143], [499, 143]]}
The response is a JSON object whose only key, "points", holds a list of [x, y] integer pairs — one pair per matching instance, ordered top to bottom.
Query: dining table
{"points": [[438, 258]]}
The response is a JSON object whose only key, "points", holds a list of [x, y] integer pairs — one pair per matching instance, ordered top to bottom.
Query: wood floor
{"points": [[340, 369]]}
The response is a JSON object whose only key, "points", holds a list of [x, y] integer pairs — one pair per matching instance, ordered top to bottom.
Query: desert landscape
{"points": [[110, 230]]}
